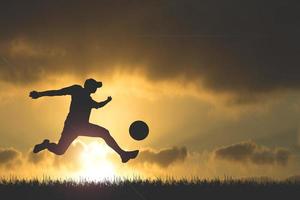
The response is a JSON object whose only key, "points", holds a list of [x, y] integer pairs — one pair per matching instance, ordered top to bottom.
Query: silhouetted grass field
{"points": [[147, 189]]}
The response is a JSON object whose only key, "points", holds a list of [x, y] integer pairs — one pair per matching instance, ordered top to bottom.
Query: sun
{"points": [[95, 165]]}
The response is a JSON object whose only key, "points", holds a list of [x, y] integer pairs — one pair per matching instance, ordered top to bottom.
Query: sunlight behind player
{"points": [[95, 164]]}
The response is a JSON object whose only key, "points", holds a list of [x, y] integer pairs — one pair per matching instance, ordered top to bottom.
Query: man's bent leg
{"points": [[61, 147]]}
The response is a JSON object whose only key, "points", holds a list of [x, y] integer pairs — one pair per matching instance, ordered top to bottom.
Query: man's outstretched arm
{"points": [[63, 91], [102, 103]]}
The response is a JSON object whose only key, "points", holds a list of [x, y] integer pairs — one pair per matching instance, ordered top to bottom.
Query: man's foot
{"points": [[39, 147], [129, 155]]}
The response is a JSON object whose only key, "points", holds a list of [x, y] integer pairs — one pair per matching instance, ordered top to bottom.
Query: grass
{"points": [[149, 189]]}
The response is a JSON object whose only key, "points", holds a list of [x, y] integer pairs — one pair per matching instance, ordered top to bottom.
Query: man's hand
{"points": [[34, 94], [109, 99], [102, 103]]}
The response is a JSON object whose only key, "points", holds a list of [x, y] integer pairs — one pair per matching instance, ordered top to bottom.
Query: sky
{"points": [[216, 81]]}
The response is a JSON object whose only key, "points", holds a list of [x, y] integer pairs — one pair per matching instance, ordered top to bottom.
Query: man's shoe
{"points": [[39, 147], [129, 155]]}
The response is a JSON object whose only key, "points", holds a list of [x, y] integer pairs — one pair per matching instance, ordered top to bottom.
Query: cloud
{"points": [[237, 49], [251, 152], [282, 156], [9, 157], [164, 157], [37, 158], [70, 160], [44, 163], [153, 163]]}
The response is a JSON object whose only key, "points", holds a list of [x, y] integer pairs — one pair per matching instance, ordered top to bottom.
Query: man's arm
{"points": [[63, 91], [102, 103]]}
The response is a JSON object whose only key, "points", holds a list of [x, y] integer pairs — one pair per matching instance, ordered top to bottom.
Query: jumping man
{"points": [[77, 122]]}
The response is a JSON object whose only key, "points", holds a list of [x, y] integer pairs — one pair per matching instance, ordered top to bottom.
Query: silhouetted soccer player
{"points": [[77, 122]]}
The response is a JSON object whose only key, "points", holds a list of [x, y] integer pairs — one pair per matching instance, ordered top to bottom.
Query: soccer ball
{"points": [[139, 130]]}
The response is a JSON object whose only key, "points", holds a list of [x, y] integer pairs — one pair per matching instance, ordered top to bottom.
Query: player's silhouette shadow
{"points": [[77, 122]]}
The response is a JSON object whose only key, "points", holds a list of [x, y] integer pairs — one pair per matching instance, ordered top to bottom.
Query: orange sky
{"points": [[217, 84], [187, 128]]}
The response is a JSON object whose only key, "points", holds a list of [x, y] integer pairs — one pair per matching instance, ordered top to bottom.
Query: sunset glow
{"points": [[217, 84], [94, 163]]}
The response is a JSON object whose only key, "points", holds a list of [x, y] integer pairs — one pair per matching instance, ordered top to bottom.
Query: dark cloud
{"points": [[247, 48], [251, 152], [9, 156], [282, 156], [164, 157], [12, 158], [36, 158], [295, 178]]}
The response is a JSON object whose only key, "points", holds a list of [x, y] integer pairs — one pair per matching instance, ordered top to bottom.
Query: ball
{"points": [[139, 130]]}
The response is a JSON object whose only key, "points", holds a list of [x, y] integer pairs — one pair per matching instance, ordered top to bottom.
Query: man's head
{"points": [[91, 85]]}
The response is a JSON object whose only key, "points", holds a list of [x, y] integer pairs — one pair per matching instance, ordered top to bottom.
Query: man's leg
{"points": [[93, 130], [63, 144], [59, 148]]}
